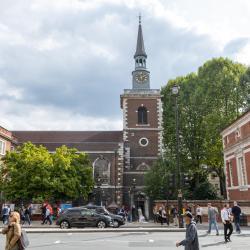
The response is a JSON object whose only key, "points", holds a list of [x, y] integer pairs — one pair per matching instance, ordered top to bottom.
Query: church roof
{"points": [[140, 50], [82, 140]]}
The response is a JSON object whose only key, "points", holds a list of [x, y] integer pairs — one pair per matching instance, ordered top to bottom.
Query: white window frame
{"points": [[3, 148], [230, 169], [242, 173]]}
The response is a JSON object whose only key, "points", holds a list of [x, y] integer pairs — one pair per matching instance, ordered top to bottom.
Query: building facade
{"points": [[7, 141], [236, 144], [120, 159]]}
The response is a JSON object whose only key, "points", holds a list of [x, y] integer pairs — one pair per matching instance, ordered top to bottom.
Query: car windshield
{"points": [[105, 210]]}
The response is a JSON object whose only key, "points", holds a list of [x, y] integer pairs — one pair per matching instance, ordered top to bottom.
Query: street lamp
{"points": [[175, 93], [99, 192]]}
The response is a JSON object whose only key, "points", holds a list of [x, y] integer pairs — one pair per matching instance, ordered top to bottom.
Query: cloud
{"points": [[64, 64]]}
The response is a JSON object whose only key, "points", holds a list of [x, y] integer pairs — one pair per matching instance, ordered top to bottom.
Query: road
{"points": [[129, 241]]}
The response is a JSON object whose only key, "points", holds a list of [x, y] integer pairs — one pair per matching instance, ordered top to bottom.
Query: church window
{"points": [[142, 115], [143, 142], [102, 170]]}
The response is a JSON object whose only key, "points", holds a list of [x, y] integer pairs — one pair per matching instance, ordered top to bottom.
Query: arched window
{"points": [[142, 115], [102, 170]]}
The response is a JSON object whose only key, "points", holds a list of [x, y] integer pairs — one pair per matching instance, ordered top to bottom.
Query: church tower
{"points": [[142, 129]]}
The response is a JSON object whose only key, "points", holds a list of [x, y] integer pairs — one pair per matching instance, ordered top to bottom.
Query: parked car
{"points": [[83, 217], [118, 220]]}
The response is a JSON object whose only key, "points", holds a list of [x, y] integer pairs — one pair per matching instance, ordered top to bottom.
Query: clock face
{"points": [[141, 77]]}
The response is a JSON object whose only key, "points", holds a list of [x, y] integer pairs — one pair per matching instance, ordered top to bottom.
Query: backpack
{"points": [[23, 241]]}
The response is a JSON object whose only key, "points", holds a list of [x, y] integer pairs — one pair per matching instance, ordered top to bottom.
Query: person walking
{"points": [[236, 211], [155, 212], [160, 212], [174, 213], [5, 214], [198, 214], [27, 216], [212, 218], [226, 219], [12, 232], [191, 241]]}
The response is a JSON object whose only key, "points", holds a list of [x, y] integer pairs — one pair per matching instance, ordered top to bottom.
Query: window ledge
{"points": [[143, 125]]}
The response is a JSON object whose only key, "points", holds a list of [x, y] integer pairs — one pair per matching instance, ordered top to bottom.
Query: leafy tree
{"points": [[207, 102], [32, 172], [25, 173], [72, 174], [159, 181]]}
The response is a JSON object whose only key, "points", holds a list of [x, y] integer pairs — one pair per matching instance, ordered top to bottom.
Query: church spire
{"points": [[140, 50], [140, 74]]}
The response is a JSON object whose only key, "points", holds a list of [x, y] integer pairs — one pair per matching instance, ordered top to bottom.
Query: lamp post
{"points": [[175, 93], [99, 192], [133, 214]]}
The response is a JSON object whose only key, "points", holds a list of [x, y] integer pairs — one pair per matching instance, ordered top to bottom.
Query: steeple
{"points": [[140, 50], [140, 74]]}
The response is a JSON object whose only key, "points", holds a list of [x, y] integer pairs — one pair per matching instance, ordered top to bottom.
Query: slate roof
{"points": [[140, 50], [82, 140]]}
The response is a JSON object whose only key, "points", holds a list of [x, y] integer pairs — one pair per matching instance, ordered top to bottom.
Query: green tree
{"points": [[208, 101], [32, 172], [25, 173], [72, 174], [159, 181]]}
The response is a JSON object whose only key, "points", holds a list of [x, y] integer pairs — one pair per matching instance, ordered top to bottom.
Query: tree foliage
{"points": [[208, 101], [31, 172], [159, 180]]}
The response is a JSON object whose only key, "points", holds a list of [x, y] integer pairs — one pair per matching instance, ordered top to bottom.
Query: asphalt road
{"points": [[125, 241]]}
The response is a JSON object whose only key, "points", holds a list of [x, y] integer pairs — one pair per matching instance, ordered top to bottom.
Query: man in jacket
{"points": [[236, 211], [212, 218], [191, 241]]}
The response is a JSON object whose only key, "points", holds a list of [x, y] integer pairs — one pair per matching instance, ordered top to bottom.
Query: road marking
{"points": [[57, 242]]}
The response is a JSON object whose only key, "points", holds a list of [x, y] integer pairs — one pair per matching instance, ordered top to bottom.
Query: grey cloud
{"points": [[75, 77]]}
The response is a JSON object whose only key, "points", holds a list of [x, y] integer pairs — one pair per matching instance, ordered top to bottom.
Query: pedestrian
{"points": [[236, 211], [160, 212], [44, 213], [5, 214], [134, 214], [155, 214], [174, 214], [198, 214], [27, 215], [22, 216], [212, 218], [226, 219], [13, 232], [191, 241]]}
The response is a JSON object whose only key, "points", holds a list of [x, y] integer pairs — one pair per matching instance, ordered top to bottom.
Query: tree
{"points": [[208, 101], [32, 172], [25, 173], [72, 174], [159, 181]]}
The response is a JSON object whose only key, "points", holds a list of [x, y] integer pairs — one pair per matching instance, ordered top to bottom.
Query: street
{"points": [[131, 240]]}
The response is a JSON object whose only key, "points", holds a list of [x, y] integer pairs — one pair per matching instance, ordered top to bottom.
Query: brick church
{"points": [[119, 158]]}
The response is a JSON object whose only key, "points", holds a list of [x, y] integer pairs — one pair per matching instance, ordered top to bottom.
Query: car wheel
{"points": [[64, 224], [101, 224], [116, 224]]}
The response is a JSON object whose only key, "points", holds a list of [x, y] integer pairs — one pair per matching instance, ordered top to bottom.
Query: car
{"points": [[83, 217], [118, 220]]}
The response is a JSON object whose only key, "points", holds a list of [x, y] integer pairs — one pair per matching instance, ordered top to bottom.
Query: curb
{"points": [[106, 230]]}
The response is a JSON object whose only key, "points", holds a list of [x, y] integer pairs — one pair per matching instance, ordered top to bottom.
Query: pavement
{"points": [[130, 241]]}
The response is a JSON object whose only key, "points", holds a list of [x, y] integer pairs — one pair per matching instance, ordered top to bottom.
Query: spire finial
{"points": [[139, 18]]}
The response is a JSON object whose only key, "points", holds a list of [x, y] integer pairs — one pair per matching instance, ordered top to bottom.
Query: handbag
{"points": [[23, 242]]}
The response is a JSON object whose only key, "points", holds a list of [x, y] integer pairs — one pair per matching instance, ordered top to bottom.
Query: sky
{"points": [[64, 63]]}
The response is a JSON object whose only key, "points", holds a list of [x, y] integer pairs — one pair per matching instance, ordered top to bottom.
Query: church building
{"points": [[120, 159]]}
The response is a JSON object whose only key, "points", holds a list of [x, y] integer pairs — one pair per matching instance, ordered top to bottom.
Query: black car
{"points": [[82, 217], [118, 220]]}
